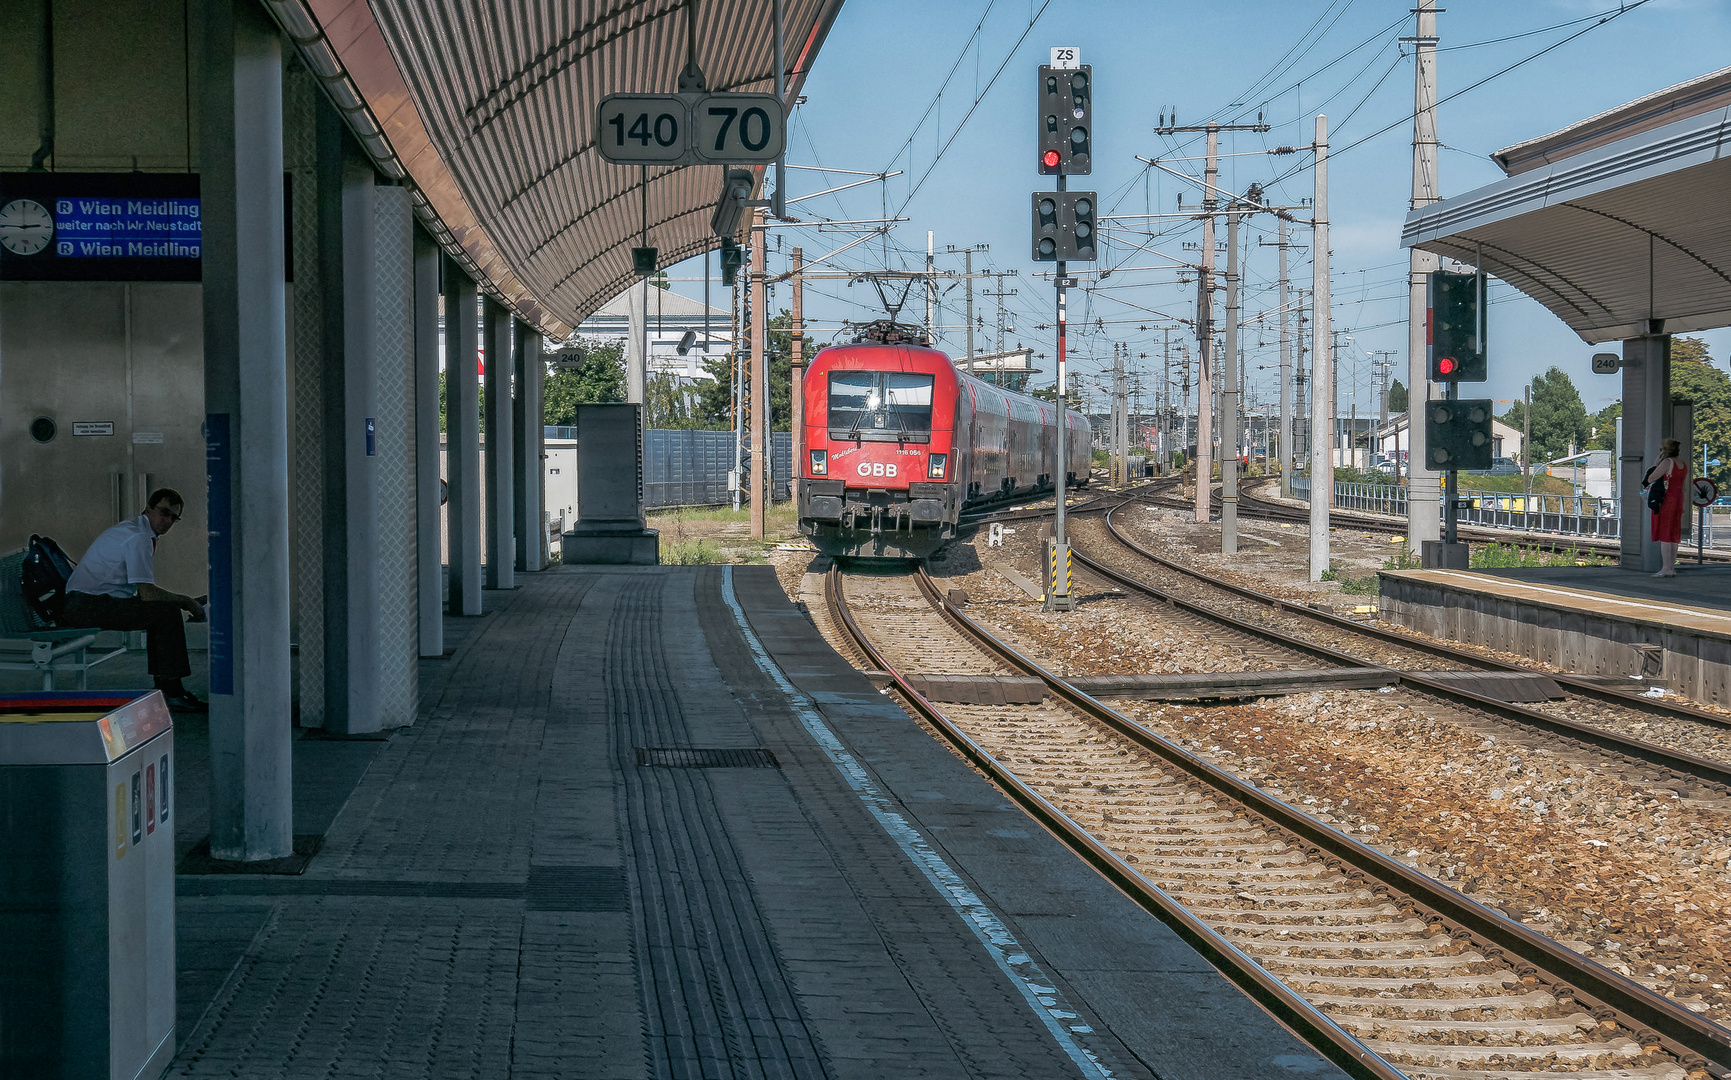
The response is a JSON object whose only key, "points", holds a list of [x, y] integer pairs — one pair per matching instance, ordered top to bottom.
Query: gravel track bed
{"points": [[1679, 733], [1593, 851], [1430, 1002]]}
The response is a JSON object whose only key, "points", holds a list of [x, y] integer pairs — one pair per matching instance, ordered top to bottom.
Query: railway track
{"points": [[1264, 508], [1694, 741], [1385, 971]]}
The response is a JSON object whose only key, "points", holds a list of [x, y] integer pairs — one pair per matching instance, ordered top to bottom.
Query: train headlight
{"points": [[820, 462], [935, 466]]}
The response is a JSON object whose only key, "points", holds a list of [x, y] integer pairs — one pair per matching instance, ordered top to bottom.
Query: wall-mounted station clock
{"points": [[26, 226]]}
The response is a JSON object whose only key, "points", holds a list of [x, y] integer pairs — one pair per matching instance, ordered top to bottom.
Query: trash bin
{"points": [[86, 885]]}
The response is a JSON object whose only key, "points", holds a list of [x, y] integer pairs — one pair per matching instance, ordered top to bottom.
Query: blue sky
{"points": [[886, 61]]}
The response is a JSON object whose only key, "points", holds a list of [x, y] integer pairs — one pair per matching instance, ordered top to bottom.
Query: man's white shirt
{"points": [[118, 561]]}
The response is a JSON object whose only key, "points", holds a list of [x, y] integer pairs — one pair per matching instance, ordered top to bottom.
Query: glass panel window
{"points": [[880, 406]]}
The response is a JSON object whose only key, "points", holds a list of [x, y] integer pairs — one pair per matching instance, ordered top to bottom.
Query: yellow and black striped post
{"points": [[1058, 579]]}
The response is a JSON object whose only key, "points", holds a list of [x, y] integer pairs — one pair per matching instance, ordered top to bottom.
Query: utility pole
{"points": [[968, 276], [931, 292], [1205, 305], [741, 347], [796, 370], [1321, 376], [759, 380], [1229, 400], [1166, 407], [1120, 419], [1285, 442], [1422, 508]]}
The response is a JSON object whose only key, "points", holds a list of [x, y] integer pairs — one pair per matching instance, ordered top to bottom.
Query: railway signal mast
{"points": [[1064, 231], [1457, 430]]}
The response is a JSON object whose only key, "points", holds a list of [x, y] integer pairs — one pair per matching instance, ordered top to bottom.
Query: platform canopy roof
{"points": [[485, 112], [1612, 222]]}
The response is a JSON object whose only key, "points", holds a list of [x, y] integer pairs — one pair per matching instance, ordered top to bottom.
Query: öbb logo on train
{"points": [[877, 468]]}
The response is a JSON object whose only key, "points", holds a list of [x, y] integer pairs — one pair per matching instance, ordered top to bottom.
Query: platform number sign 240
{"points": [[690, 129]]}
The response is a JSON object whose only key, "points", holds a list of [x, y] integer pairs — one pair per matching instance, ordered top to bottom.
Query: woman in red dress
{"points": [[1668, 519]]}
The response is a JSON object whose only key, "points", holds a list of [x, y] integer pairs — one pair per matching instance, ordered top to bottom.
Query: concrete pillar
{"points": [[347, 276], [496, 323], [246, 399], [1646, 415], [462, 442], [529, 474], [429, 513]]}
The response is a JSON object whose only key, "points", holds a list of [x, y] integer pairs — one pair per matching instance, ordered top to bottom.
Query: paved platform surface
{"points": [[1704, 585], [1698, 598], [505, 891]]}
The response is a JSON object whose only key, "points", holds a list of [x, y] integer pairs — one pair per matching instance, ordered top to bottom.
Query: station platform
{"points": [[1588, 620], [648, 824]]}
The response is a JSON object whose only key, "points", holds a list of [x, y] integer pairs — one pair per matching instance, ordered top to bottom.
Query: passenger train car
{"points": [[897, 443]]}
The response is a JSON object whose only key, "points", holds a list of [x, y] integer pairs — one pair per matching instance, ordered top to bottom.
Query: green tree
{"points": [[598, 379], [1696, 380], [1397, 398], [713, 408], [1559, 418], [1604, 423]]}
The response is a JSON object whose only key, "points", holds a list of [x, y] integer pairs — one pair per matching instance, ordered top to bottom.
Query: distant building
{"points": [[670, 315], [1010, 370], [1590, 471]]}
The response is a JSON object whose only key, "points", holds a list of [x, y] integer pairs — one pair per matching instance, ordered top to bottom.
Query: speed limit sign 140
{"points": [[690, 129]]}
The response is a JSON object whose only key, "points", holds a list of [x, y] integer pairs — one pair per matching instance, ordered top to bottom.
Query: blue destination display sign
{"points": [[100, 227], [97, 228]]}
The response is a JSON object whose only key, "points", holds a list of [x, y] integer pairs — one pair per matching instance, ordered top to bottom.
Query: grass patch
{"points": [[691, 553], [1499, 556], [1404, 560], [1364, 586]]}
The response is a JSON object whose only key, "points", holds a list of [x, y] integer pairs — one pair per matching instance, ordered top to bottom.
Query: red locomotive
{"points": [[897, 443]]}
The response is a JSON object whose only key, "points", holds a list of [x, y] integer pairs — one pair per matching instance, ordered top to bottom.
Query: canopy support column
{"points": [[246, 431]]}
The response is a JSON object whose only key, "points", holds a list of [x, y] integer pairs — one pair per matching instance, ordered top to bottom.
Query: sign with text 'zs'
{"points": [[691, 129]]}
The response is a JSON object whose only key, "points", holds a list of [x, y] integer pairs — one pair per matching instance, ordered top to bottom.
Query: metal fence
{"points": [[689, 468], [1563, 515]]}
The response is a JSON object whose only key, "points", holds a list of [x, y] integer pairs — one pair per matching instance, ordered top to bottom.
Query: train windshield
{"points": [[880, 406]]}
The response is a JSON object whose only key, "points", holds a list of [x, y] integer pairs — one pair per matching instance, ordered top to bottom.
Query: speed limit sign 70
{"points": [[690, 129], [739, 129]]}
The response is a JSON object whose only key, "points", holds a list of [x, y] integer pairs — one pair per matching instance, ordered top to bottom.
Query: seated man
{"points": [[115, 588]]}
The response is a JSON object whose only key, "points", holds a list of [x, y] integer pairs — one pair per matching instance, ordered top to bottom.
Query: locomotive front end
{"points": [[878, 474]]}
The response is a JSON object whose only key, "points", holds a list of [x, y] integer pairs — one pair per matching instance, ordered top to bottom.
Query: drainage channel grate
{"points": [[695, 757], [576, 888]]}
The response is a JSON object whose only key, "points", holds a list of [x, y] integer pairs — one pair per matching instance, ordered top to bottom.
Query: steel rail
{"points": [[1362, 520], [1583, 687], [1683, 764], [1653, 1018], [1306, 1020]]}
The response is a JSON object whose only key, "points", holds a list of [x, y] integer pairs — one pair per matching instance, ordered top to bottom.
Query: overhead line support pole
{"points": [[1205, 306], [1322, 362], [1229, 398], [760, 452], [1421, 503]]}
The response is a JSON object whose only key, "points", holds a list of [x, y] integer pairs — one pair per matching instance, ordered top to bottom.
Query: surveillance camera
{"points": [[689, 339]]}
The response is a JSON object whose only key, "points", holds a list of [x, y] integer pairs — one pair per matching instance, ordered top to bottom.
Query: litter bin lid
{"points": [[77, 727]]}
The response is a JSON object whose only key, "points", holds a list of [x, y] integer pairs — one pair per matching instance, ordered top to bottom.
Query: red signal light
{"points": [[1049, 159], [1446, 365]]}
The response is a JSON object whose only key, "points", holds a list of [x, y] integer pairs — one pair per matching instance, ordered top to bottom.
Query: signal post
{"points": [[1064, 230], [1457, 431]]}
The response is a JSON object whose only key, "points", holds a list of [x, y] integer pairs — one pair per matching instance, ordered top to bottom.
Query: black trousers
{"points": [[158, 618]]}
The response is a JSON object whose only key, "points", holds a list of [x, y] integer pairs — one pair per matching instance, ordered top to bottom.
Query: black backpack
{"points": [[43, 578]]}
